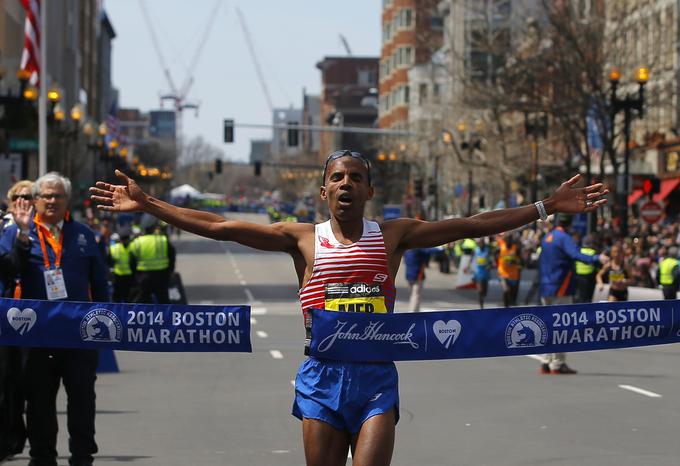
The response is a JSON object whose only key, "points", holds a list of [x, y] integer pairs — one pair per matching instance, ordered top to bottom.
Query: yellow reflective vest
{"points": [[151, 252], [121, 259], [581, 267], [666, 271]]}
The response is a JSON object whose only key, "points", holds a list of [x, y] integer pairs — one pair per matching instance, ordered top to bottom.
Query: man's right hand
{"points": [[127, 197], [22, 211]]}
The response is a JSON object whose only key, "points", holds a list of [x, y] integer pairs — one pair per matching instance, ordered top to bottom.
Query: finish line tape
{"points": [[138, 327], [493, 332]]}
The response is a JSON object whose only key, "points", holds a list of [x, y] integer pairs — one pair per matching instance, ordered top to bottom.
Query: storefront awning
{"points": [[667, 187]]}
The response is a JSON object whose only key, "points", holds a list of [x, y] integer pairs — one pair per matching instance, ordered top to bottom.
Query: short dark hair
{"points": [[346, 153]]}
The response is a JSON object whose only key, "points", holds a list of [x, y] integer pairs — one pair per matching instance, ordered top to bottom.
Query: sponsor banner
{"points": [[138, 327], [493, 332]]}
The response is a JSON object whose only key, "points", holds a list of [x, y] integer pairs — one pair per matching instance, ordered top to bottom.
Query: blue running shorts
{"points": [[345, 394]]}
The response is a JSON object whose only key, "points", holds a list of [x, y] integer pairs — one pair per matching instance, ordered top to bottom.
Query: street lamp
{"points": [[631, 103], [535, 126], [470, 145]]}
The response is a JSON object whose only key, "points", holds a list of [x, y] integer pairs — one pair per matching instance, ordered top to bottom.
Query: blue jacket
{"points": [[416, 260], [556, 263], [82, 264]]}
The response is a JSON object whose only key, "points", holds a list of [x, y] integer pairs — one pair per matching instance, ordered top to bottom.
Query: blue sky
{"points": [[290, 37]]}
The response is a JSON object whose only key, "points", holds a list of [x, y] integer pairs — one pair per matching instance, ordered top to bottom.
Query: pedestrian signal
{"points": [[228, 131], [651, 185]]}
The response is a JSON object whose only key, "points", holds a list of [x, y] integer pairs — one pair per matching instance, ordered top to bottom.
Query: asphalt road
{"points": [[623, 408]]}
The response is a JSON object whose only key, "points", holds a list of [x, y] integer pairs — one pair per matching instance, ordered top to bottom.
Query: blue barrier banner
{"points": [[137, 327], [493, 332]]}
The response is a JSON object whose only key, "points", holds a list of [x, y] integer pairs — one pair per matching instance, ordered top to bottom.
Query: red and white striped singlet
{"points": [[351, 278]]}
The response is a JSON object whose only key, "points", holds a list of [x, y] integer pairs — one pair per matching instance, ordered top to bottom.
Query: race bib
{"points": [[54, 284], [355, 297]]}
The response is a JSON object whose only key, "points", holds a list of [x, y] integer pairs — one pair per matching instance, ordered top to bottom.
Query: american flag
{"points": [[30, 57]]}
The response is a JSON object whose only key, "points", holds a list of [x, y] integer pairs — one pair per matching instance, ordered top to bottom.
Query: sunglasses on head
{"points": [[346, 153], [28, 197]]}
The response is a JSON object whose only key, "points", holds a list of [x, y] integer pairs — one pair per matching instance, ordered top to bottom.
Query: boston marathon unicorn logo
{"points": [[100, 325], [526, 331]]}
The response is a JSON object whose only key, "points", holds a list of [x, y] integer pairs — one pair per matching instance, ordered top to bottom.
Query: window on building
{"points": [[408, 17], [408, 55], [435, 90], [407, 91], [422, 93]]}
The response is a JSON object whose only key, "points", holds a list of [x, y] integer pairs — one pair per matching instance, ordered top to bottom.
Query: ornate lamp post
{"points": [[631, 105]]}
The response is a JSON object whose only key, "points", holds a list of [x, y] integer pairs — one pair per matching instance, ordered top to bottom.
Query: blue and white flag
{"points": [[138, 327], [493, 332]]}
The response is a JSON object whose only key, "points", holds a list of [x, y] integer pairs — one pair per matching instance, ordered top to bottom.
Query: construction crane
{"points": [[253, 56], [178, 96]]}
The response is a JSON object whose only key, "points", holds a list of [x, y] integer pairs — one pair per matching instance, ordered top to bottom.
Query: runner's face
{"points": [[347, 188], [51, 202]]}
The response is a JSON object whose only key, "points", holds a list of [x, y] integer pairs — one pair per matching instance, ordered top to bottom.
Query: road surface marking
{"points": [[243, 282], [249, 295], [206, 302], [258, 311], [253, 321], [261, 334], [276, 354], [292, 382], [641, 391], [349, 453]]}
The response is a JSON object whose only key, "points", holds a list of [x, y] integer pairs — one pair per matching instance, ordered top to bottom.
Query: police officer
{"points": [[57, 258], [119, 258], [152, 258], [669, 271], [585, 273]]}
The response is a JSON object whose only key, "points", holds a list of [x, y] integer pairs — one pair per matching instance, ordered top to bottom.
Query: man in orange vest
{"points": [[509, 266]]}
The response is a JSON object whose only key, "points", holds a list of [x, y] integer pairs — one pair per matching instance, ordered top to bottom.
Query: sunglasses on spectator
{"points": [[346, 153], [28, 197]]}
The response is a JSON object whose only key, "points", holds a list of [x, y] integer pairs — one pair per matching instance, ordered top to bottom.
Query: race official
{"points": [[57, 258], [152, 258], [119, 259], [556, 266], [669, 273], [585, 274]]}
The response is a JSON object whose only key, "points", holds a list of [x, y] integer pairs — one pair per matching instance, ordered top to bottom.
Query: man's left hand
{"points": [[570, 200]]}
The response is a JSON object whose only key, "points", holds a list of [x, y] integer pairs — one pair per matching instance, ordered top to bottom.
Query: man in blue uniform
{"points": [[57, 259], [556, 265]]}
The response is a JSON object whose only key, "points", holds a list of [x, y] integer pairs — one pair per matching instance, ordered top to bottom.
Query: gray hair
{"points": [[51, 178]]}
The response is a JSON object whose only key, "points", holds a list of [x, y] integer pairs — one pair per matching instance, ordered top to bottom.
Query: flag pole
{"points": [[42, 103]]}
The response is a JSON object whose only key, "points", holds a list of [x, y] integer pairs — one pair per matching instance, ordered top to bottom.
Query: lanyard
{"points": [[56, 245]]}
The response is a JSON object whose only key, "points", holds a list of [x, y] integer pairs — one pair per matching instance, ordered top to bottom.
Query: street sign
{"points": [[23, 144], [391, 211], [651, 212]]}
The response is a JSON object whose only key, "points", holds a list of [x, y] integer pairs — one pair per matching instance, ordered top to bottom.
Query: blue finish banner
{"points": [[138, 327], [493, 332]]}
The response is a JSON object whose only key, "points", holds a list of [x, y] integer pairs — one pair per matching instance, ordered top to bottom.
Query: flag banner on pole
{"points": [[30, 56], [137, 327], [493, 332]]}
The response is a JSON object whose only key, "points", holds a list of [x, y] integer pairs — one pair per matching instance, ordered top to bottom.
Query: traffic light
{"points": [[228, 131], [293, 134], [218, 166], [258, 168], [651, 185], [418, 187]]}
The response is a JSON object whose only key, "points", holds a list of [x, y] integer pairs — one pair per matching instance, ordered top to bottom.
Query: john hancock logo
{"points": [[101, 325], [526, 331], [372, 332]]}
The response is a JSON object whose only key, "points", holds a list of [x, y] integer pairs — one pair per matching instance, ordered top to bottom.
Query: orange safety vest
{"points": [[508, 262]]}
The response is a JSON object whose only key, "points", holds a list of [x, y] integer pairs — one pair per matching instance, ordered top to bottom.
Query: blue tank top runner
{"points": [[138, 327], [493, 332]]}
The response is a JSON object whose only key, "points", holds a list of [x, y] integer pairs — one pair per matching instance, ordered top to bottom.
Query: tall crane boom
{"points": [[253, 56]]}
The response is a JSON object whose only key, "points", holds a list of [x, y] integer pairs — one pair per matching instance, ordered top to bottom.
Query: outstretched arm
{"points": [[129, 197], [413, 233]]}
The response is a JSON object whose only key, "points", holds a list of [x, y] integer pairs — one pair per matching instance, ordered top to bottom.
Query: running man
{"points": [[341, 404]]}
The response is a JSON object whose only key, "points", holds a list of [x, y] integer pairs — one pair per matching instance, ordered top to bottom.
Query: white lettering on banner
{"points": [[628, 316], [206, 318], [370, 333], [591, 335], [190, 336]]}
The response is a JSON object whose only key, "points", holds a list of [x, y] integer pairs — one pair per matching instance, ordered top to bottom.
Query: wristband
{"points": [[543, 215]]}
